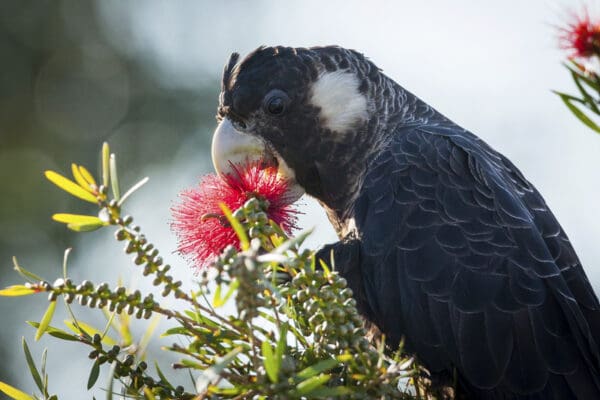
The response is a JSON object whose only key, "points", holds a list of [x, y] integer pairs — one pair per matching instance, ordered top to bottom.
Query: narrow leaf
{"points": [[594, 84], [569, 97], [589, 100], [580, 115], [105, 162], [87, 176], [79, 178], [115, 178], [70, 187], [132, 190], [77, 219], [85, 227], [237, 227], [295, 241], [24, 273], [17, 290], [219, 301], [46, 319], [89, 330], [178, 330], [55, 332], [145, 340], [281, 343], [270, 362], [32, 368], [317, 368], [94, 373], [212, 374], [163, 379], [306, 387], [331, 392], [13, 393], [148, 394]]}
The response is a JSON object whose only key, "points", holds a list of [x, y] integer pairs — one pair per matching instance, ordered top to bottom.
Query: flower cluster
{"points": [[582, 36], [198, 219]]}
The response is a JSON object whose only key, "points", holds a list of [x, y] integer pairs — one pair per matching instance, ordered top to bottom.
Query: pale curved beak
{"points": [[230, 146]]}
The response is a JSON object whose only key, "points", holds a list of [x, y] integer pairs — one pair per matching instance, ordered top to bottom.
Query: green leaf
{"points": [[594, 84], [568, 96], [589, 100], [579, 114], [105, 162], [87, 176], [79, 178], [115, 178], [70, 187], [133, 189], [77, 219], [80, 223], [85, 227], [237, 227], [293, 242], [24, 273], [17, 290], [219, 301], [46, 319], [85, 329], [178, 330], [55, 332], [145, 340], [281, 343], [270, 362], [32, 368], [317, 368], [94, 373], [211, 375], [163, 379], [311, 384], [331, 392], [13, 393], [148, 394]]}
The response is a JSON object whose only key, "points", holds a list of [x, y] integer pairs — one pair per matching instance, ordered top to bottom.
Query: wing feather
{"points": [[480, 275]]}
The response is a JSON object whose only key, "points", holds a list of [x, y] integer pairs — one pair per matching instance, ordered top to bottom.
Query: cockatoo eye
{"points": [[275, 102]]}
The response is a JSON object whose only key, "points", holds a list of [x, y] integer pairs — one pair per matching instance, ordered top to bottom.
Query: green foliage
{"points": [[586, 105], [295, 332]]}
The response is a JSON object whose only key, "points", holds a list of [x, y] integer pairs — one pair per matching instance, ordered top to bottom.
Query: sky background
{"points": [[144, 76]]}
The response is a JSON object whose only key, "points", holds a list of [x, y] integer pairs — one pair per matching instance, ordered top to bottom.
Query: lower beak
{"points": [[230, 148]]}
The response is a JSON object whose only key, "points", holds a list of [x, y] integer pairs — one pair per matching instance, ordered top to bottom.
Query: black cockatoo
{"points": [[442, 239]]}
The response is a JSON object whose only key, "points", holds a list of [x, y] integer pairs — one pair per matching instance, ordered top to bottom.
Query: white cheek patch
{"points": [[342, 105]]}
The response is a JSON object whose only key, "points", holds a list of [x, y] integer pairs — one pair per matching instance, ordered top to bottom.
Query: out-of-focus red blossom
{"points": [[582, 36], [199, 223]]}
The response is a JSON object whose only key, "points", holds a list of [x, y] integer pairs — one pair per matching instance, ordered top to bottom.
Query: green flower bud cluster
{"points": [[254, 219], [147, 255], [102, 296], [324, 307], [330, 311], [126, 368]]}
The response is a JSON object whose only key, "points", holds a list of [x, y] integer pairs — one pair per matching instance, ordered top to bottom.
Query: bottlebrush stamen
{"points": [[202, 229]]}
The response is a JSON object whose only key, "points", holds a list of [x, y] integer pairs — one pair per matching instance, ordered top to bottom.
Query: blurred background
{"points": [[144, 76]]}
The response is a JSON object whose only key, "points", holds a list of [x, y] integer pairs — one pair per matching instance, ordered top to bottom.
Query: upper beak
{"points": [[230, 148]]}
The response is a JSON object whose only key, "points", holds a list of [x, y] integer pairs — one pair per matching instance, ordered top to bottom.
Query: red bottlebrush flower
{"points": [[582, 36], [199, 223]]}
